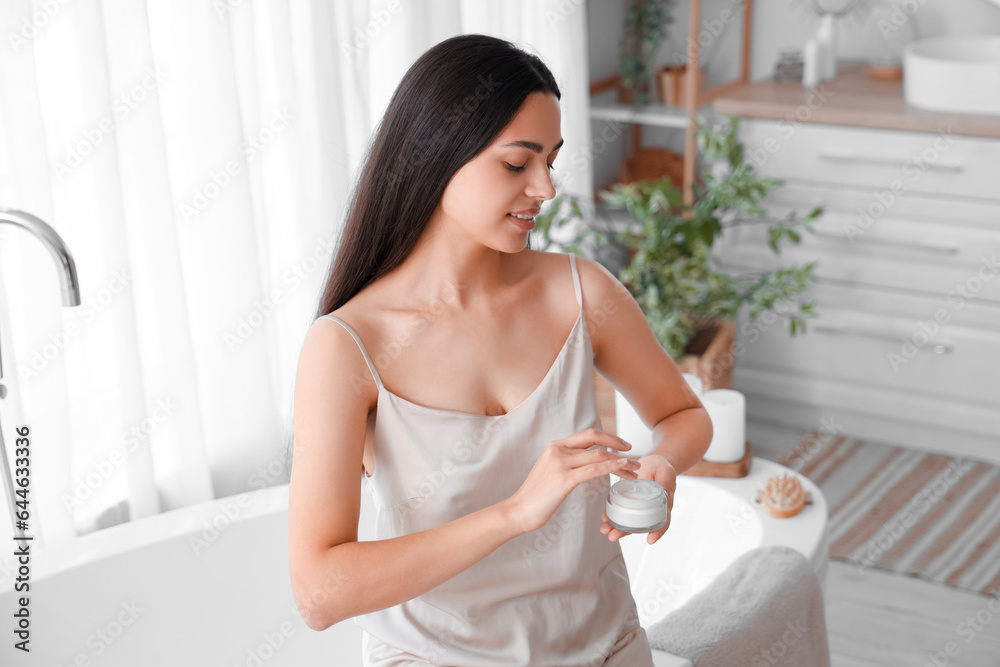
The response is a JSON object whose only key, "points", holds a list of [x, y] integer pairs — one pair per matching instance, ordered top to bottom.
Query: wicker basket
{"points": [[653, 164], [710, 356]]}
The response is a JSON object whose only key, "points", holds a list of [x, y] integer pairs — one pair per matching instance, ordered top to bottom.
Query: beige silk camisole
{"points": [[556, 596]]}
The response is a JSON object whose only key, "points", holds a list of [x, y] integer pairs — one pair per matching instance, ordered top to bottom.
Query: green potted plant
{"points": [[645, 28], [665, 257]]}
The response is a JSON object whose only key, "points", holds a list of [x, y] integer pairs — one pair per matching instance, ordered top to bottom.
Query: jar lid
{"points": [[638, 494]]}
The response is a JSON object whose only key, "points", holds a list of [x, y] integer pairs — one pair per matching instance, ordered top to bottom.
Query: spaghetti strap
{"points": [[576, 280], [357, 339]]}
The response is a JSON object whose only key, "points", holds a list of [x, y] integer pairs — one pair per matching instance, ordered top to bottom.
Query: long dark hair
{"points": [[450, 105]]}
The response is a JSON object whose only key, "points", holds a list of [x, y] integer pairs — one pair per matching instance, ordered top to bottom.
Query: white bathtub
{"points": [[208, 585]]}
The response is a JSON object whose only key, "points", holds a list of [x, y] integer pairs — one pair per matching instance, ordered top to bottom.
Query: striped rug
{"points": [[924, 515]]}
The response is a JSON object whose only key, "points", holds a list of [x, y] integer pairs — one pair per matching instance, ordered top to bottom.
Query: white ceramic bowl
{"points": [[957, 74]]}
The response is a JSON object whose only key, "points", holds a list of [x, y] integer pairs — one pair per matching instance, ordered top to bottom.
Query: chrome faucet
{"points": [[51, 240], [64, 260], [70, 296]]}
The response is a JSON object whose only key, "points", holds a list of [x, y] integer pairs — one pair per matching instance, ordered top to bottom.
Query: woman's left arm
{"points": [[628, 354]]}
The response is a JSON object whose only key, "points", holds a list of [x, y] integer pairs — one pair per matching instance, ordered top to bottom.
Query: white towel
{"points": [[764, 610]]}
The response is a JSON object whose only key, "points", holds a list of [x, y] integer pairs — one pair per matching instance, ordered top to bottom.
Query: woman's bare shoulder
{"points": [[596, 281], [331, 353]]}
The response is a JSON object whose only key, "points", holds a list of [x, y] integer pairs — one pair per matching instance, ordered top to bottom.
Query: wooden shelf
{"points": [[852, 99], [698, 101], [651, 114], [656, 115]]}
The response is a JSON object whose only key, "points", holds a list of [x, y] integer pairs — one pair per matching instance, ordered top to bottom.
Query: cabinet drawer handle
{"points": [[950, 167], [922, 246], [843, 330]]}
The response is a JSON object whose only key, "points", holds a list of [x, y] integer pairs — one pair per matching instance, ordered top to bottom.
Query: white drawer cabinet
{"points": [[897, 162], [904, 252], [906, 347], [892, 352]]}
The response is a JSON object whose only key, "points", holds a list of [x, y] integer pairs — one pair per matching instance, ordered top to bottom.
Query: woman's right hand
{"points": [[562, 465]]}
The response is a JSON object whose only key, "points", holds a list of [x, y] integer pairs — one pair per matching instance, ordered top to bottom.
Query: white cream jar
{"points": [[637, 506]]}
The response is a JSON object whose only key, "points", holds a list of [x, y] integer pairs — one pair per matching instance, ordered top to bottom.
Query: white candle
{"points": [[695, 383], [727, 408]]}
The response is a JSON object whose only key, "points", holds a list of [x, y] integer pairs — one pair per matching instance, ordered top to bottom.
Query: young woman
{"points": [[450, 373]]}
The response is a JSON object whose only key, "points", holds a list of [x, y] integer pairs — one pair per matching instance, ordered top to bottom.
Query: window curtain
{"points": [[196, 157]]}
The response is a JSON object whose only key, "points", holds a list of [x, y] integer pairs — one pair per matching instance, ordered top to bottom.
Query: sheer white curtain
{"points": [[196, 157]]}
